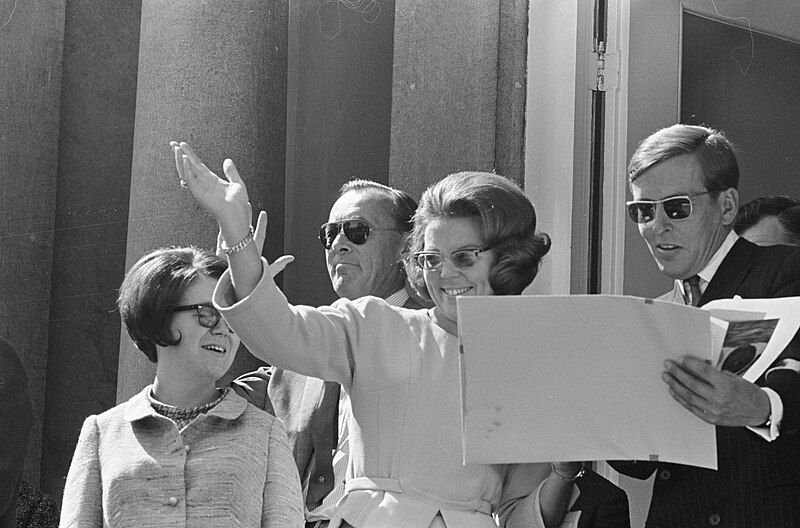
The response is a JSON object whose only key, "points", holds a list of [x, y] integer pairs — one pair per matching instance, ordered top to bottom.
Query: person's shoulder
{"points": [[253, 387]]}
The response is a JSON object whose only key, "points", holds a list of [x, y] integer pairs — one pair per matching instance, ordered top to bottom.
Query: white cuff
{"points": [[771, 430]]}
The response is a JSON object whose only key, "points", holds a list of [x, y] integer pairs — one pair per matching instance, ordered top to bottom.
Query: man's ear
{"points": [[729, 204]]}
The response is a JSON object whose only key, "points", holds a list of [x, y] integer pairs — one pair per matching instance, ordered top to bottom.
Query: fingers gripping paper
{"points": [[578, 377]]}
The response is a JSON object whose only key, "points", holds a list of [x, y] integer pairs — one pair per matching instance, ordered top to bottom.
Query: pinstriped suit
{"points": [[758, 482]]}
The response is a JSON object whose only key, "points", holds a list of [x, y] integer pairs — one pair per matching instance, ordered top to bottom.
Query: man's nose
{"points": [[661, 221], [341, 243]]}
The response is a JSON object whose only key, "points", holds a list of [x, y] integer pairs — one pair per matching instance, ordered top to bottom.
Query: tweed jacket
{"points": [[402, 375], [308, 408], [16, 418], [229, 467], [757, 483]]}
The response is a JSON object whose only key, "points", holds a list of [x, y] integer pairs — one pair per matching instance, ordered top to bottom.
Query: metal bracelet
{"points": [[240, 246], [578, 475]]}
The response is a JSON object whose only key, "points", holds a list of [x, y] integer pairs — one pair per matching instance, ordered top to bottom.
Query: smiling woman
{"points": [[400, 366], [181, 452]]}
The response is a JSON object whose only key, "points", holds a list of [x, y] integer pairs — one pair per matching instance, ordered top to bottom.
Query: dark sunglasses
{"points": [[675, 207], [356, 231], [461, 258], [207, 315]]}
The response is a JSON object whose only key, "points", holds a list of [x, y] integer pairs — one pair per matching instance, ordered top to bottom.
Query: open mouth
{"points": [[667, 247], [456, 291], [215, 348]]}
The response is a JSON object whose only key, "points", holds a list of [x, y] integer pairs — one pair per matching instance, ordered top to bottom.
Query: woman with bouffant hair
{"points": [[507, 223], [399, 366], [182, 452]]}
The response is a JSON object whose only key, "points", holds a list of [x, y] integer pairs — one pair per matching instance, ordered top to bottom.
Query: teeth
{"points": [[457, 291], [215, 348]]}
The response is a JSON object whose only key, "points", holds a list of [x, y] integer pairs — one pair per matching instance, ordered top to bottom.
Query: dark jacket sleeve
{"points": [[16, 418], [601, 503]]}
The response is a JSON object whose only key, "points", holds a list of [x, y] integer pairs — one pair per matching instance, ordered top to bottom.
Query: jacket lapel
{"points": [[731, 273]]}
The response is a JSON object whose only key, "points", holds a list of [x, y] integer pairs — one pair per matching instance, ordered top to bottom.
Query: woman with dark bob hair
{"points": [[399, 366], [181, 452]]}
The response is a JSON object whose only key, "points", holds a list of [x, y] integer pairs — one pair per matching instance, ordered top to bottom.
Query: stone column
{"points": [[31, 48], [211, 73], [445, 90], [98, 100]]}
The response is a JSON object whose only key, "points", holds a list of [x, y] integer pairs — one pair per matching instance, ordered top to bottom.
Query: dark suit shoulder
{"points": [[253, 386]]}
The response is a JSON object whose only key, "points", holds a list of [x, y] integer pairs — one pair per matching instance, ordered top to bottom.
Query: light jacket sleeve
{"points": [[318, 342], [283, 499], [82, 503]]}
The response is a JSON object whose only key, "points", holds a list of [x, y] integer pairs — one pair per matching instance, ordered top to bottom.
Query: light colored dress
{"points": [[402, 375], [229, 467]]}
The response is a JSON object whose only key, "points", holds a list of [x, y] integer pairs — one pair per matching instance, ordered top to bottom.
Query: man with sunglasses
{"points": [[684, 183], [365, 243]]}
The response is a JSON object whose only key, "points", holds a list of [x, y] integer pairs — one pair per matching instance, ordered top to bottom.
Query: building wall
{"points": [[302, 95]]}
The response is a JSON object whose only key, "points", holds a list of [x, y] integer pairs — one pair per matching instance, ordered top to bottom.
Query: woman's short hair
{"points": [[714, 152], [507, 222], [154, 285]]}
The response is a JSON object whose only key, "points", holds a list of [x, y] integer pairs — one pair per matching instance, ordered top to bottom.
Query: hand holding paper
{"points": [[715, 396]]}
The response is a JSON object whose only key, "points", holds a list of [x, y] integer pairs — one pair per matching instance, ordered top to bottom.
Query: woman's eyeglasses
{"points": [[675, 207], [356, 231], [461, 258], [207, 315]]}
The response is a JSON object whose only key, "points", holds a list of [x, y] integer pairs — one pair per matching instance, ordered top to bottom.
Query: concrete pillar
{"points": [[31, 37], [211, 73], [445, 90], [98, 99], [340, 101]]}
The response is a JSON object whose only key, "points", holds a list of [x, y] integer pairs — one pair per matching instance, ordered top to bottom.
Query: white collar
{"points": [[707, 273]]}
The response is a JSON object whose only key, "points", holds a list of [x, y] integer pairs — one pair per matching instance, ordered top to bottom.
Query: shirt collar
{"points": [[707, 273], [398, 298], [230, 408]]}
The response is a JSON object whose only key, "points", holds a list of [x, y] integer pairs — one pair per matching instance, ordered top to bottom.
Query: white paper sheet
{"points": [[578, 377]]}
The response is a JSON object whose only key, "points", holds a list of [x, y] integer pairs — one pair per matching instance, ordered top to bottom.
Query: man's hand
{"points": [[715, 396]]}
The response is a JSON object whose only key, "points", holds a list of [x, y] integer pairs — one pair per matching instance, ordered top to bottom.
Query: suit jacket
{"points": [[309, 408], [16, 418], [758, 482], [601, 504]]}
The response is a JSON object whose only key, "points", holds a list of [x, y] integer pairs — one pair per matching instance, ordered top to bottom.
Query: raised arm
{"points": [[225, 199]]}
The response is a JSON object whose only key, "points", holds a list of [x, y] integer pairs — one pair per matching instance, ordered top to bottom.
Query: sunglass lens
{"points": [[678, 208], [641, 212], [356, 231], [328, 233], [463, 259], [429, 261], [208, 316]]}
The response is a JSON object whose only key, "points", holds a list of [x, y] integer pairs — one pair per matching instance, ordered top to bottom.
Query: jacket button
{"points": [[186, 448], [665, 474], [321, 479], [173, 501], [714, 519]]}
